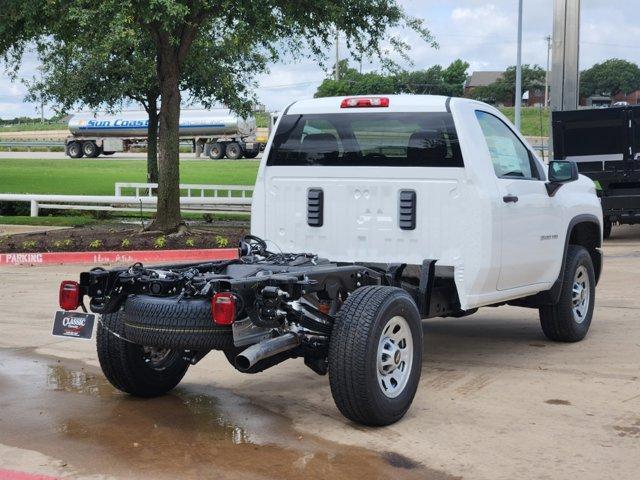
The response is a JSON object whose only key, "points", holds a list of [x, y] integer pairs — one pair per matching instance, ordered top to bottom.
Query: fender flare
{"points": [[583, 218]]}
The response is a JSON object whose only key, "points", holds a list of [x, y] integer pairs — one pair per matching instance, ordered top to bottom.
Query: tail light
{"points": [[365, 102], [69, 298], [223, 308]]}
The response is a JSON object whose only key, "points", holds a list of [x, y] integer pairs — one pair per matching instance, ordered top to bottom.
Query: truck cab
{"points": [[400, 179]]}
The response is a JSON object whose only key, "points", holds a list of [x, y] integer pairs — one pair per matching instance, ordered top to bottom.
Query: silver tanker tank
{"points": [[193, 123]]}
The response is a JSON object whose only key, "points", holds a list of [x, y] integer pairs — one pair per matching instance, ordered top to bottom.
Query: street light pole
{"points": [[519, 69], [337, 70], [546, 73]]}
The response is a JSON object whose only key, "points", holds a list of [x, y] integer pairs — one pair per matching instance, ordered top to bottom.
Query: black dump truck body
{"points": [[605, 143]]}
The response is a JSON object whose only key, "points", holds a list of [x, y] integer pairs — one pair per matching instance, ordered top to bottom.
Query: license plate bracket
{"points": [[73, 325]]}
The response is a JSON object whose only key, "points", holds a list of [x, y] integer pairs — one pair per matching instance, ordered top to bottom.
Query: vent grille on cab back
{"points": [[315, 207], [407, 210]]}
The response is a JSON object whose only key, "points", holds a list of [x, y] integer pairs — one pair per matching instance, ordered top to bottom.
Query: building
{"points": [[533, 98]]}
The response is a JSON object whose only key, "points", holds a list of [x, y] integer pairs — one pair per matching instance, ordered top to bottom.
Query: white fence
{"points": [[217, 191], [211, 199]]}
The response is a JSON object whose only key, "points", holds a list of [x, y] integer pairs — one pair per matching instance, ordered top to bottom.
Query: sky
{"points": [[482, 32]]}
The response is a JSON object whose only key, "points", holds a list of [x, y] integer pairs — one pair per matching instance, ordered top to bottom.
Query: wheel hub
{"points": [[580, 294], [395, 357]]}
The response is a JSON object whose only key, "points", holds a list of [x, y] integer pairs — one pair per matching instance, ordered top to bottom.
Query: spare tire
{"points": [[166, 322]]}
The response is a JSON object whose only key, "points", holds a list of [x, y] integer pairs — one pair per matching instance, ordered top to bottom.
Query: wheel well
{"points": [[588, 235]]}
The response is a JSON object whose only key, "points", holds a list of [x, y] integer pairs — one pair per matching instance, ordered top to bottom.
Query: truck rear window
{"points": [[367, 139]]}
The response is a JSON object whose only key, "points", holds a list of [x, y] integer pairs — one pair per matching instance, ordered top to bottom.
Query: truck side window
{"points": [[511, 159]]}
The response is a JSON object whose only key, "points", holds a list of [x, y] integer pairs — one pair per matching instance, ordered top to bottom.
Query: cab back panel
{"points": [[361, 213]]}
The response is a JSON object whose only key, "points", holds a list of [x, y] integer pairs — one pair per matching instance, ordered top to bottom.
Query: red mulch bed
{"points": [[114, 237]]}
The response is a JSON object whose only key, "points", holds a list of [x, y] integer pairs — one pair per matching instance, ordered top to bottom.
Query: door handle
{"points": [[510, 199]]}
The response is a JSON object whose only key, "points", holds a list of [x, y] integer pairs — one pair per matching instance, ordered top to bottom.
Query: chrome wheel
{"points": [[580, 294], [395, 357], [157, 358]]}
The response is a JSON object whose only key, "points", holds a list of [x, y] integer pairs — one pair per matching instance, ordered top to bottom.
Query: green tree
{"points": [[258, 31], [100, 75], [455, 75], [610, 77], [433, 80]]}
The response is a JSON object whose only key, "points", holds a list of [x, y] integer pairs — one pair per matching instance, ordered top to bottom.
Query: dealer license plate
{"points": [[73, 325]]}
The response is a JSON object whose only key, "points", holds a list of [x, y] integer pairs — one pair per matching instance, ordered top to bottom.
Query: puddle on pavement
{"points": [[69, 412]]}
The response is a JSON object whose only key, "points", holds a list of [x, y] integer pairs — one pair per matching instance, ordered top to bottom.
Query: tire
{"points": [[90, 149], [74, 150], [216, 150], [234, 151], [108, 153], [251, 153], [606, 227], [567, 321], [165, 322], [356, 355], [134, 369]]}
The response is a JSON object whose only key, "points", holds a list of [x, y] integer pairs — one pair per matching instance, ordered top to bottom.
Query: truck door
{"points": [[531, 239]]}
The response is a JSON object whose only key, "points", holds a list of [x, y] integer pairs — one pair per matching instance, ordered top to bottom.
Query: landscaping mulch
{"points": [[117, 237]]}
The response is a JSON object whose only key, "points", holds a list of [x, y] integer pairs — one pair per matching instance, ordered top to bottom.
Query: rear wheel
{"points": [[90, 149], [74, 150], [216, 151], [234, 151], [606, 227], [570, 318], [375, 355], [135, 369]]}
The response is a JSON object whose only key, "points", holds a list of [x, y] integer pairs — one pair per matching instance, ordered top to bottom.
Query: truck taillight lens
{"points": [[365, 102], [69, 298], [223, 308]]}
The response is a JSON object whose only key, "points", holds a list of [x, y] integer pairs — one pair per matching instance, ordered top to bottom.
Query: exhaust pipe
{"points": [[266, 349]]}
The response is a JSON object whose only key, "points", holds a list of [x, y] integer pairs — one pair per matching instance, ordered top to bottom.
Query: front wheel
{"points": [[570, 318], [375, 355], [135, 369]]}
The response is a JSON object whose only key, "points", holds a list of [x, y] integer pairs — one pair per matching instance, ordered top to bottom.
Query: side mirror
{"points": [[561, 172]]}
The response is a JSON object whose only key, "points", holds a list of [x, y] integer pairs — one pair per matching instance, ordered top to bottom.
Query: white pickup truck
{"points": [[410, 207]]}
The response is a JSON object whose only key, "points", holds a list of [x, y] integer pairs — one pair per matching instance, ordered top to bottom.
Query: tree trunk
{"points": [[152, 140], [168, 217]]}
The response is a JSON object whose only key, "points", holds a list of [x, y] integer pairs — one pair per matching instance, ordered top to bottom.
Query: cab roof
{"points": [[397, 103]]}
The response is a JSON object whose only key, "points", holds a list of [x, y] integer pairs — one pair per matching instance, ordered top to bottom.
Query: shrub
{"points": [[221, 241], [160, 242], [190, 242], [126, 243], [95, 244], [29, 245]]}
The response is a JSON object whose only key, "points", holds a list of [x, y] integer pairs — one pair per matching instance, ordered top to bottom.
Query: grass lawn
{"points": [[530, 120], [36, 126], [97, 177], [70, 221]]}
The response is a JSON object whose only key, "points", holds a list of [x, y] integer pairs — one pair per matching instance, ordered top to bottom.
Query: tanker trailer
{"points": [[218, 132]]}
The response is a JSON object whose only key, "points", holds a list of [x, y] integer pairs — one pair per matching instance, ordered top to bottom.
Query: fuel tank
{"points": [[200, 123]]}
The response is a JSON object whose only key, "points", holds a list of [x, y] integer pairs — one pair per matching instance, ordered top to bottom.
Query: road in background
{"points": [[115, 156], [496, 401]]}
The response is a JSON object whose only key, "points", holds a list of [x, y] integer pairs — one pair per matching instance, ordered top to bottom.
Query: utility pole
{"points": [[337, 69], [519, 69], [546, 73], [565, 74]]}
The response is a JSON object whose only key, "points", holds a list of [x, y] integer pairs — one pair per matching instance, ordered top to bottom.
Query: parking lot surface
{"points": [[496, 401]]}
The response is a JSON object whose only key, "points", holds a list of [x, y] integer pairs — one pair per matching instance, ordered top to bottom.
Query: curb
{"points": [[131, 256]]}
